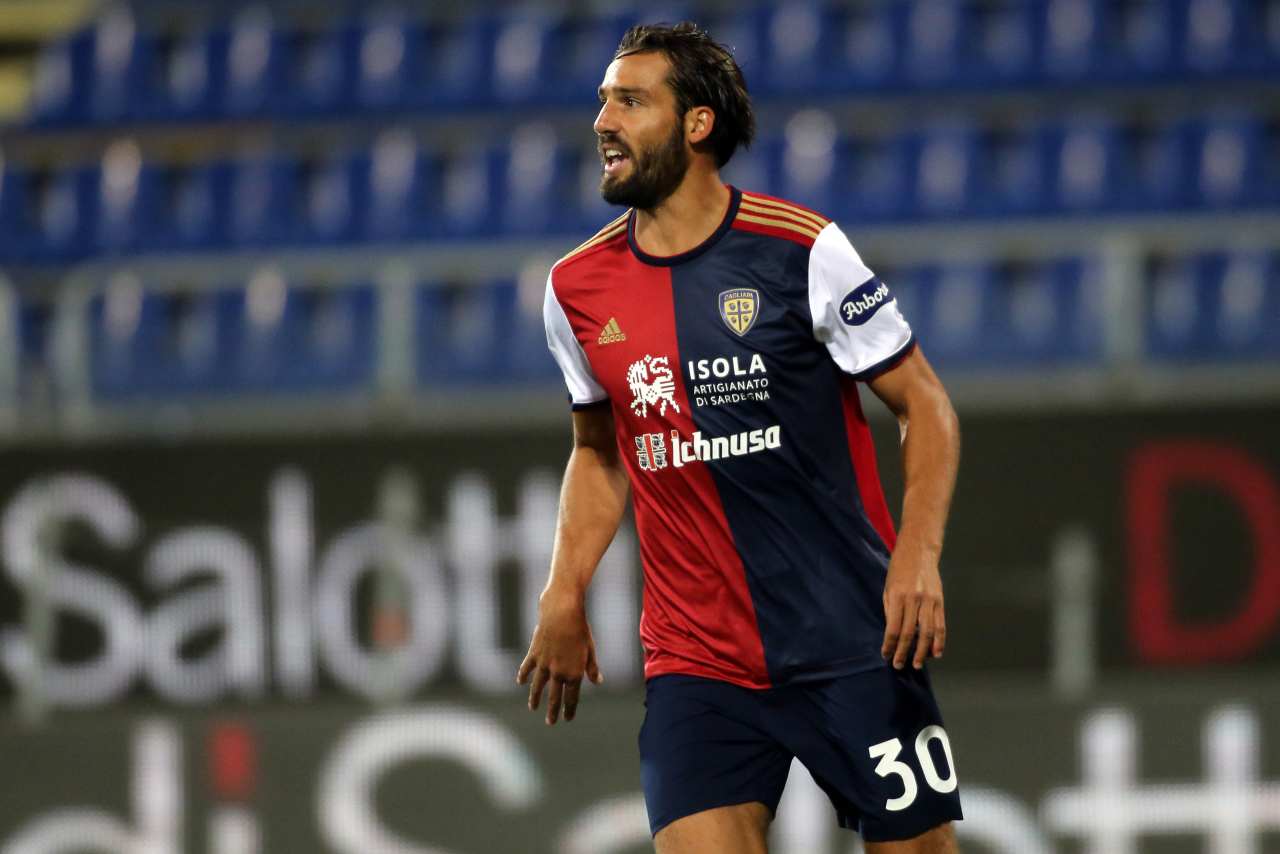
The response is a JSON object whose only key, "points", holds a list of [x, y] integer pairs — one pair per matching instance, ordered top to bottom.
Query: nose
{"points": [[605, 121]]}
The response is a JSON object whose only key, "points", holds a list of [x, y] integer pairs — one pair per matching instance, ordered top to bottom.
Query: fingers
{"points": [[893, 624], [939, 631], [907, 633], [925, 640], [526, 667], [593, 667], [535, 689], [571, 690], [554, 698]]}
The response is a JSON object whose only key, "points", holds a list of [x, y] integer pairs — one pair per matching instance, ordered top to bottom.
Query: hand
{"points": [[913, 609], [561, 651]]}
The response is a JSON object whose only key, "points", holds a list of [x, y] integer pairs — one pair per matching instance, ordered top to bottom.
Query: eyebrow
{"points": [[623, 90]]}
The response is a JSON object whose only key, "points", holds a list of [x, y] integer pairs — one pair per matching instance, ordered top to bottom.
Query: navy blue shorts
{"points": [[873, 741]]}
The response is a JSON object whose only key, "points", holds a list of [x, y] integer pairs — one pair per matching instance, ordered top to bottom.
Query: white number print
{"points": [[887, 752]]}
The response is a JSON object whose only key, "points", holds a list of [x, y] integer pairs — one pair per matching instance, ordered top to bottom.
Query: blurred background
{"points": [[282, 442]]}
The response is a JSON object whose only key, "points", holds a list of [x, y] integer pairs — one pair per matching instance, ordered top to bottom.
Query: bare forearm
{"points": [[930, 459], [592, 501]]}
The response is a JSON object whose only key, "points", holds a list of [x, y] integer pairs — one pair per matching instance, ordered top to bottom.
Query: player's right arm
{"points": [[592, 500]]}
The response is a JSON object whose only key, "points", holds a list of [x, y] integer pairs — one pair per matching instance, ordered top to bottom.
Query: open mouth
{"points": [[614, 159]]}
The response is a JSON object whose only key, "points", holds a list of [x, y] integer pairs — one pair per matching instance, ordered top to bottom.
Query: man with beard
{"points": [[712, 340]]}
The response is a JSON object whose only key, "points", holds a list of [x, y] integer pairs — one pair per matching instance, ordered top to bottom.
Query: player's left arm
{"points": [[930, 434]]}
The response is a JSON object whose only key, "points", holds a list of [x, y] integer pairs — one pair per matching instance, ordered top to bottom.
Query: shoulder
{"points": [[779, 218], [613, 231]]}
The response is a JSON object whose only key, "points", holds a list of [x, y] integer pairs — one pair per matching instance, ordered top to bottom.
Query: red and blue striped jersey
{"points": [[732, 372]]}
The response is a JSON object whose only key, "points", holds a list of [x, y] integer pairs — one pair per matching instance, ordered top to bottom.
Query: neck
{"points": [[685, 218]]}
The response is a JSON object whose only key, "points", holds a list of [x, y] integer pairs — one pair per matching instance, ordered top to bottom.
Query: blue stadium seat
{"points": [[935, 30], [1072, 35], [1217, 35], [795, 36], [1140, 38], [867, 43], [999, 43], [580, 48], [121, 59], [388, 61], [457, 63], [254, 64], [321, 68], [185, 75], [61, 80], [1226, 155], [1083, 159], [810, 162], [944, 169], [1011, 176], [880, 178], [538, 182], [402, 188], [128, 195], [262, 200], [329, 200], [471, 201], [193, 206], [14, 207], [60, 213], [1213, 307], [951, 309], [1049, 313], [462, 331], [298, 339], [156, 345]]}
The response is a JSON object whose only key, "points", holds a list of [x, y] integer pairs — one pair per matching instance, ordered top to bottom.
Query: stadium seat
{"points": [[1071, 32], [934, 33], [794, 34], [1215, 35], [1140, 38], [999, 45], [866, 46], [580, 48], [387, 60], [120, 63], [254, 63], [457, 63], [320, 65], [186, 70], [61, 79], [1083, 159], [811, 160], [1226, 161], [943, 167], [1010, 177], [880, 178], [538, 182], [402, 188], [127, 198], [263, 200], [471, 200], [329, 204], [61, 213], [1213, 307], [1047, 313], [461, 332], [291, 338], [150, 344]]}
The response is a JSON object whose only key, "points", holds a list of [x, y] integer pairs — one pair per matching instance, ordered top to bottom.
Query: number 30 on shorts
{"points": [[887, 752]]}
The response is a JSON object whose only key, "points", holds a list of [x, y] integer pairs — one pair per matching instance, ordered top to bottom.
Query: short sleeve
{"points": [[854, 314], [568, 353]]}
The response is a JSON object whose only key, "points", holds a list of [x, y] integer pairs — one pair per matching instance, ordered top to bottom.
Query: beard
{"points": [[655, 175]]}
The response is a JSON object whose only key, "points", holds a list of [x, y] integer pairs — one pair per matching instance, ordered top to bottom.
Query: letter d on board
{"points": [[1154, 471]]}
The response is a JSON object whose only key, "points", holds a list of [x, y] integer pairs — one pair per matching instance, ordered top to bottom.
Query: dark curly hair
{"points": [[703, 74]]}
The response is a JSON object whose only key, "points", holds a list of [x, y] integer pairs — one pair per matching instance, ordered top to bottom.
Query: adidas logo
{"points": [[612, 333]]}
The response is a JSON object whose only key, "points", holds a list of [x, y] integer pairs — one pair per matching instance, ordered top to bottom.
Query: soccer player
{"points": [[712, 340]]}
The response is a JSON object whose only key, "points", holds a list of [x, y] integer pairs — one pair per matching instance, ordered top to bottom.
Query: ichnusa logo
{"points": [[864, 301], [723, 447]]}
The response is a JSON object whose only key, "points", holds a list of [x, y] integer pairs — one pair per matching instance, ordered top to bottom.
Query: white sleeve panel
{"points": [[854, 313], [568, 353]]}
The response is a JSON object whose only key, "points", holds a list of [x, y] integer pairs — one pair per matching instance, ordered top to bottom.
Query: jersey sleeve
{"points": [[854, 314], [584, 390]]}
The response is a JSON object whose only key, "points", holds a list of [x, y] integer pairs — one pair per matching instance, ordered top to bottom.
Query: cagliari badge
{"points": [[739, 308]]}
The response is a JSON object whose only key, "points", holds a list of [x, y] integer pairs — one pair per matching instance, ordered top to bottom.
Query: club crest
{"points": [[739, 308]]}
